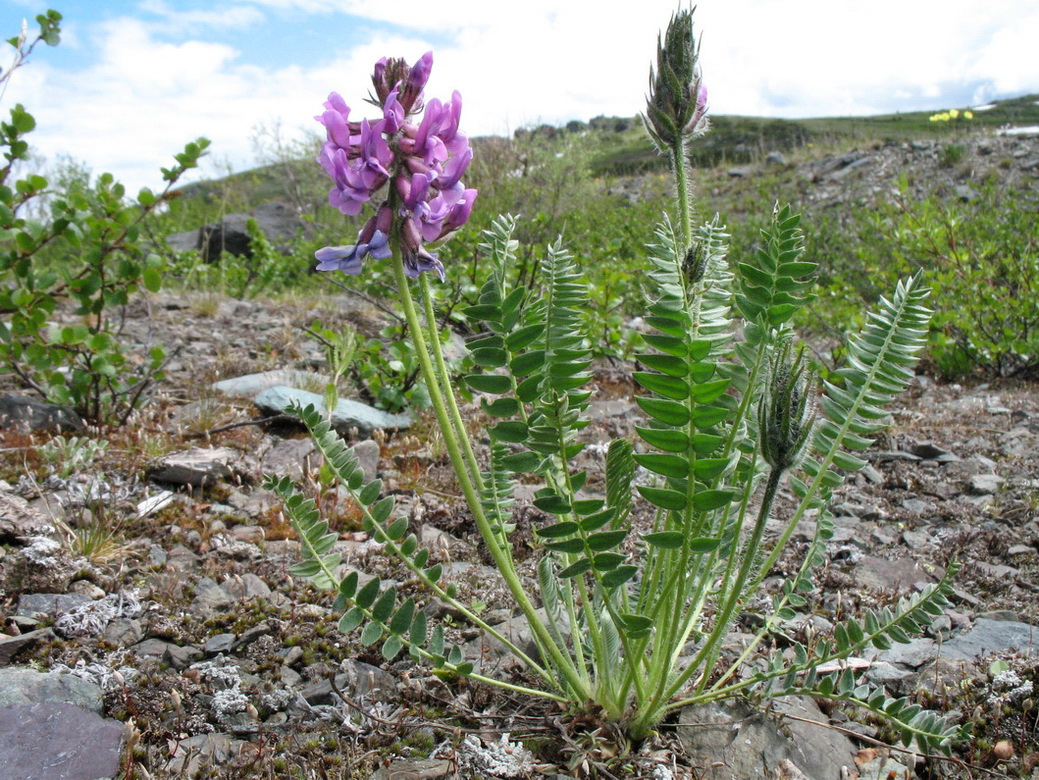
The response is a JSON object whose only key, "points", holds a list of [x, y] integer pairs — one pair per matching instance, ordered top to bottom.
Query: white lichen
{"points": [[92, 618], [503, 758]]}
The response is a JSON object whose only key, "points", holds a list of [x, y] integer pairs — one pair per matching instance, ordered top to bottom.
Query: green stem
{"points": [[445, 384], [736, 591], [562, 663]]}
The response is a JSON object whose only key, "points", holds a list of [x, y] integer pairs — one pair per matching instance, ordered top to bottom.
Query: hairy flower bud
{"points": [[676, 109], [694, 266], [786, 416]]}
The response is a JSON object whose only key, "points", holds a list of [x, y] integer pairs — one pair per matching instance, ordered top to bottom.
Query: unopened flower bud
{"points": [[676, 109], [694, 266], [787, 413]]}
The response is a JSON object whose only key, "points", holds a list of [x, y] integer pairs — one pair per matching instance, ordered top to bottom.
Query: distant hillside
{"points": [[619, 147]]}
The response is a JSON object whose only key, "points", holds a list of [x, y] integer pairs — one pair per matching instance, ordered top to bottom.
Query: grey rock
{"points": [[776, 158], [740, 172], [966, 193], [277, 221], [251, 385], [24, 413], [346, 417], [931, 451], [368, 452], [294, 458], [198, 466], [985, 484], [18, 520], [251, 534], [180, 557], [884, 575], [246, 586], [210, 598], [50, 604], [123, 632], [993, 636], [219, 643], [12, 645], [356, 679], [21, 685], [56, 741], [731, 741], [202, 750], [415, 769]]}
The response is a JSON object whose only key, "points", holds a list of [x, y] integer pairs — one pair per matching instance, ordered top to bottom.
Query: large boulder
{"points": [[279, 222]]}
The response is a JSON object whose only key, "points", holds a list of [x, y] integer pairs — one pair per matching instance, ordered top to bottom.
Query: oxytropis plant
{"points": [[633, 599]]}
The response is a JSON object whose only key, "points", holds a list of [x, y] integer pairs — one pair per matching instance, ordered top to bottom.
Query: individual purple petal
{"points": [[418, 75], [393, 114], [455, 168], [339, 258]]}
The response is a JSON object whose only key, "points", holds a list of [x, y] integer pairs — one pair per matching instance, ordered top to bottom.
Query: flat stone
{"points": [[251, 385], [347, 416], [292, 458], [197, 467], [984, 484], [18, 520], [883, 575], [49, 604], [993, 636], [219, 643], [12, 645], [357, 679], [21, 685], [57, 741], [734, 742], [415, 769]]}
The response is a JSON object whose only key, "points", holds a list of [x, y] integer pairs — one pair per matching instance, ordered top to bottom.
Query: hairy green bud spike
{"points": [[676, 108], [694, 266], [787, 411]]}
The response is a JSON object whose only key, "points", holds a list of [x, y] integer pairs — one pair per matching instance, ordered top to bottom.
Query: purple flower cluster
{"points": [[424, 164]]}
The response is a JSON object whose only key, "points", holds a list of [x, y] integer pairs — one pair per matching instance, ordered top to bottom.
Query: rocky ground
{"points": [[149, 626]]}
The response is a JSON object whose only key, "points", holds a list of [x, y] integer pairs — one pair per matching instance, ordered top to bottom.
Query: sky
{"points": [[134, 80]]}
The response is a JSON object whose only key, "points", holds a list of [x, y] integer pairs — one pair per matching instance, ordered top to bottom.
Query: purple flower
{"points": [[423, 162], [349, 259]]}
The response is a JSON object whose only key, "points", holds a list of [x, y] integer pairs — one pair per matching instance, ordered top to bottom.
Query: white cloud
{"points": [[152, 86]]}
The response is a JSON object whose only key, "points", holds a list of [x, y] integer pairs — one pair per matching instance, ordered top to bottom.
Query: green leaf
{"points": [[151, 279], [489, 357], [489, 383], [667, 386], [501, 407], [664, 410], [513, 431], [669, 440], [522, 461], [665, 465], [663, 497], [706, 500], [554, 505], [557, 530], [605, 540], [667, 540], [703, 544], [572, 546], [607, 561], [575, 568], [618, 576], [366, 595], [384, 606], [351, 620], [371, 634], [391, 647]]}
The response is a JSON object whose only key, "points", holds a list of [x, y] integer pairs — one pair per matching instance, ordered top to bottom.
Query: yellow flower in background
{"points": [[953, 113], [968, 114]]}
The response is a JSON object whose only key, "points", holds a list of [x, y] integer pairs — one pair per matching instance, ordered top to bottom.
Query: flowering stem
{"points": [[681, 168], [445, 384], [563, 664]]}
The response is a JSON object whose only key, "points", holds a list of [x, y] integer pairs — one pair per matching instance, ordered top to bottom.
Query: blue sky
{"points": [[133, 80]]}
